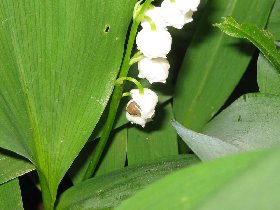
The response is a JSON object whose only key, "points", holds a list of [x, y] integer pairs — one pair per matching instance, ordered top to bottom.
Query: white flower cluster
{"points": [[154, 42]]}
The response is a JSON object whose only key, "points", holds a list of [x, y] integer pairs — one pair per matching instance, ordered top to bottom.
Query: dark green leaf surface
{"points": [[262, 39], [214, 63], [58, 65], [156, 140], [114, 157], [13, 166], [244, 181], [109, 190], [10, 196]]}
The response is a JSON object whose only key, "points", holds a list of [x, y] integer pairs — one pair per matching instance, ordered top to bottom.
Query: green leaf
{"points": [[274, 20], [262, 39], [214, 63], [57, 73], [268, 77], [251, 122], [156, 140], [205, 147], [114, 157], [13, 166], [244, 181], [109, 190], [10, 196]]}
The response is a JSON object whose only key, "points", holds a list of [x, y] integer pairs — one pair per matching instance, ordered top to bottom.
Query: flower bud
{"points": [[155, 14], [154, 44], [154, 70], [141, 108]]}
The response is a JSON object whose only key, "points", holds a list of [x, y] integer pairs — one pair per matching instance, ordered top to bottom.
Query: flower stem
{"points": [[153, 25], [136, 58], [120, 80], [116, 95]]}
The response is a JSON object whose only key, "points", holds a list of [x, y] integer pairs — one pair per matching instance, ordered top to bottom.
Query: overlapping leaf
{"points": [[58, 63], [214, 63], [13, 166], [244, 181], [109, 190], [10, 195]]}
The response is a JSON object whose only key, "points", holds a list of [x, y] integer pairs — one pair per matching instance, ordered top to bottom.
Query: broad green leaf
{"points": [[274, 20], [262, 39], [59, 60], [214, 63], [268, 77], [251, 122], [156, 140], [205, 147], [114, 157], [13, 166], [243, 181], [109, 190], [10, 196]]}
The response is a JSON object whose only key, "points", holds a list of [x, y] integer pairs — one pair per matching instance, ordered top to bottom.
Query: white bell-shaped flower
{"points": [[186, 5], [155, 14], [173, 16], [154, 43], [154, 70], [141, 108]]}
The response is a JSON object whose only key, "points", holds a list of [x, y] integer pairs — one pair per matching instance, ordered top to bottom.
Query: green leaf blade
{"points": [[262, 39], [214, 63], [57, 73], [13, 166], [228, 183], [109, 190], [10, 195]]}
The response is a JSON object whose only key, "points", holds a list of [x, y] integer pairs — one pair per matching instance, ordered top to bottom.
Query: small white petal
{"points": [[185, 5], [155, 14], [172, 15], [188, 17], [154, 44], [154, 70], [147, 102], [136, 119]]}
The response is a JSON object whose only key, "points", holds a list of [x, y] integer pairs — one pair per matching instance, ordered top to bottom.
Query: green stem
{"points": [[153, 25], [136, 58], [120, 80], [126, 94], [116, 95], [47, 196]]}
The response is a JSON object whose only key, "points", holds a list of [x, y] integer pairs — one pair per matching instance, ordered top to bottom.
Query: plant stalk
{"points": [[116, 95]]}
